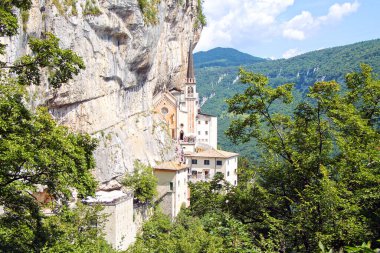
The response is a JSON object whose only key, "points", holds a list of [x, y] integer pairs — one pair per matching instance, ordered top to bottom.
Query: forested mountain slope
{"points": [[224, 57], [217, 83]]}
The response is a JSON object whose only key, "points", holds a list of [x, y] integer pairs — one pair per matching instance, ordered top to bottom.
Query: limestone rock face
{"points": [[127, 62]]}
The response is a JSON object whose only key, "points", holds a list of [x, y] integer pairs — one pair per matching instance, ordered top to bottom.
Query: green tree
{"points": [[8, 19], [34, 151], [319, 174], [142, 181], [208, 197], [76, 230], [187, 234]]}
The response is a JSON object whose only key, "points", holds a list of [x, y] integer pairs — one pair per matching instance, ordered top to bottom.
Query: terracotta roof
{"points": [[213, 154], [170, 166]]}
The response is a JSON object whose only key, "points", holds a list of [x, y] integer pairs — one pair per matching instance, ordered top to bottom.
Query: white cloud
{"points": [[338, 11], [236, 20], [242, 23], [304, 24], [293, 34], [291, 53]]}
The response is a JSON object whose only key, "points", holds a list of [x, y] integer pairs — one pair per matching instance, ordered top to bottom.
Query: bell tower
{"points": [[191, 95]]}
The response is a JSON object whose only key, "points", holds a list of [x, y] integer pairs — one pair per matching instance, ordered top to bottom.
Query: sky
{"points": [[286, 28]]}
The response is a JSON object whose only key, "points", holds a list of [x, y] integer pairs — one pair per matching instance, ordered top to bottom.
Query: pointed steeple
{"points": [[190, 68]]}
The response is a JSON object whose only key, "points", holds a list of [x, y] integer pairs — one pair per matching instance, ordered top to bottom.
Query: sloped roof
{"points": [[164, 96], [205, 114], [213, 153], [175, 166]]}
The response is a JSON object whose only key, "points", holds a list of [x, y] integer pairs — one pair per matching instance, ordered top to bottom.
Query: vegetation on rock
{"points": [[91, 8], [149, 9], [201, 18]]}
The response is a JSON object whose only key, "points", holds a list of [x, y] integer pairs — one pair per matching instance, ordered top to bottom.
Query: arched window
{"points": [[190, 90], [181, 135]]}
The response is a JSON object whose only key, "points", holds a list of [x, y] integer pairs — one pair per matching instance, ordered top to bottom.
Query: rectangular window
{"points": [[199, 122], [206, 122], [199, 132], [206, 132], [194, 161], [206, 162], [219, 162], [171, 186]]}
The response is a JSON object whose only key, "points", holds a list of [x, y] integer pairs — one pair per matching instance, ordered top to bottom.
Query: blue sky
{"points": [[285, 28]]}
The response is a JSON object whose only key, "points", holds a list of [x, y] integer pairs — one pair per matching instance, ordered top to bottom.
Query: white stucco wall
{"points": [[207, 130], [228, 168], [231, 170], [181, 190], [171, 203], [120, 230]]}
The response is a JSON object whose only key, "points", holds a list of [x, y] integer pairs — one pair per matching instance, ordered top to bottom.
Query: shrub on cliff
{"points": [[142, 182]]}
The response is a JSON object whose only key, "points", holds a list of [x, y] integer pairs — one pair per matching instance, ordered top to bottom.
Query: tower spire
{"points": [[190, 68]]}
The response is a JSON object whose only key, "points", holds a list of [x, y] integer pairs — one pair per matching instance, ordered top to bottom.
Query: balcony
{"points": [[188, 140], [195, 177]]}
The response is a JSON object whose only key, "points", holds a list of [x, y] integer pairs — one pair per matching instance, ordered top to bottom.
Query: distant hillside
{"points": [[223, 57], [215, 84]]}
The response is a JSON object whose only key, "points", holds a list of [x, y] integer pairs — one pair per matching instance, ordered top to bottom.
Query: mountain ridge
{"points": [[223, 57], [217, 83]]}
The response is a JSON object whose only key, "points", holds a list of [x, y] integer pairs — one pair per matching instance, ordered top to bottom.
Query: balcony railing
{"points": [[188, 140], [199, 177]]}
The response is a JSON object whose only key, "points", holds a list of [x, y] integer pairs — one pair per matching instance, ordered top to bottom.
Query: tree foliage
{"points": [[8, 19], [61, 64], [36, 152], [319, 177], [142, 181], [213, 233]]}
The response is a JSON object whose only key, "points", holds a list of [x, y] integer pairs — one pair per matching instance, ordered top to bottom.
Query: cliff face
{"points": [[127, 61]]}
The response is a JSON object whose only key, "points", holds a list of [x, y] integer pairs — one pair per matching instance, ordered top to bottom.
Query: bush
{"points": [[142, 181]]}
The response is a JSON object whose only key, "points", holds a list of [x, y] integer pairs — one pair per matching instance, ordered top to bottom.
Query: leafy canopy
{"points": [[36, 152], [318, 177], [142, 181]]}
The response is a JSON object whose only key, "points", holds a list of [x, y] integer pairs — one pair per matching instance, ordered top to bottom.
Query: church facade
{"points": [[187, 125], [195, 132]]}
